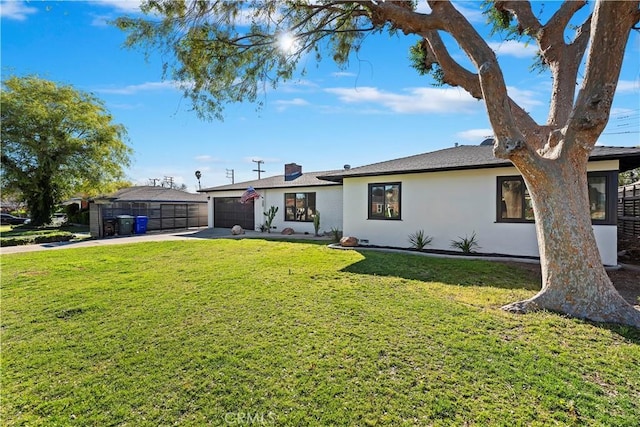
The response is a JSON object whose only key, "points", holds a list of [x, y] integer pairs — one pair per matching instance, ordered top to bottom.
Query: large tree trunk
{"points": [[574, 280]]}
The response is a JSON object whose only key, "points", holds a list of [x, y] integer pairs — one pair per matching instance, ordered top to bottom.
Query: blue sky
{"points": [[376, 109]]}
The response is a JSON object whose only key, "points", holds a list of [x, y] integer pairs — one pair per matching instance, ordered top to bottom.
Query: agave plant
{"points": [[419, 240], [466, 244]]}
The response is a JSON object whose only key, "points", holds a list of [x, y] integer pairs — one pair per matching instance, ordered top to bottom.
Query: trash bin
{"points": [[141, 224], [125, 225], [109, 227]]}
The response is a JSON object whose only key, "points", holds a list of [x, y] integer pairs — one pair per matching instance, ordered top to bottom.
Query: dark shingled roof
{"points": [[469, 157], [307, 179], [153, 194]]}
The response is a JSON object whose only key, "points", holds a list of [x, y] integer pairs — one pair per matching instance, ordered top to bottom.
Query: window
{"points": [[384, 201], [514, 202], [299, 206]]}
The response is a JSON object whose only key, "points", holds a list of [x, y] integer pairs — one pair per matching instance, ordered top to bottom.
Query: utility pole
{"points": [[259, 162], [230, 174], [154, 180], [169, 181]]}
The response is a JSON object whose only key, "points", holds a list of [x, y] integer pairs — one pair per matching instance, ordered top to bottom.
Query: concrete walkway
{"points": [[206, 233]]}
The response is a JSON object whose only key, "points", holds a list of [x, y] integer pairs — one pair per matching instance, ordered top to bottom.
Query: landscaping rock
{"points": [[236, 230], [287, 231], [349, 241]]}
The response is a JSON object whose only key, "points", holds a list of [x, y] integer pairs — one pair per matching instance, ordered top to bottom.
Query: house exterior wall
{"points": [[328, 203], [452, 204]]}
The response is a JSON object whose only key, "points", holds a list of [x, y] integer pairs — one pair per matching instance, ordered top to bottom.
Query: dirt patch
{"points": [[629, 250], [626, 280]]}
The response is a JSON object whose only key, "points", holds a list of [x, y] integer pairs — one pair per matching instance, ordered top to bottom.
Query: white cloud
{"points": [[121, 5], [423, 7], [16, 10], [473, 13], [101, 20], [514, 48], [343, 74], [297, 86], [628, 86], [144, 87], [527, 99], [415, 100], [282, 105], [120, 106], [475, 135], [205, 158]]}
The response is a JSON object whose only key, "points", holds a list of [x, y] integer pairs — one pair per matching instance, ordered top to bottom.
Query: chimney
{"points": [[292, 171]]}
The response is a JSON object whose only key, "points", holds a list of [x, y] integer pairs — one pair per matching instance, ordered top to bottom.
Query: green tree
{"points": [[229, 51], [56, 142], [629, 177]]}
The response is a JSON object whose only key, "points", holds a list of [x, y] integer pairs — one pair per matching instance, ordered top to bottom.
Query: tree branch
{"points": [[564, 14], [408, 21], [527, 22], [563, 60], [602, 72], [456, 75], [510, 141]]}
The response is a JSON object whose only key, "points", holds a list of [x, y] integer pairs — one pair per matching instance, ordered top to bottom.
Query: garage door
{"points": [[228, 211]]}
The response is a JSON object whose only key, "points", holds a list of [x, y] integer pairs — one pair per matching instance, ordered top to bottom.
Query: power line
{"points": [[620, 133]]}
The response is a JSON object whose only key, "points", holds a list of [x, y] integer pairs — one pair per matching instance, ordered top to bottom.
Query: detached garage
{"points": [[165, 208]]}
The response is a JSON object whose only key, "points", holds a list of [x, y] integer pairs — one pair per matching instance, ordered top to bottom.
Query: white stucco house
{"points": [[455, 192], [449, 193], [297, 195]]}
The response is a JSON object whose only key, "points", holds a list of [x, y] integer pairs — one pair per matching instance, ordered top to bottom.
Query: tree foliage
{"points": [[223, 52], [57, 142]]}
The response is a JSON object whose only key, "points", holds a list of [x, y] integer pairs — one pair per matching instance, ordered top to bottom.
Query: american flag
{"points": [[250, 194]]}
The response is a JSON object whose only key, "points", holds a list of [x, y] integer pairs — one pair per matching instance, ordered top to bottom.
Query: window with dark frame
{"points": [[384, 201], [514, 202], [299, 207]]}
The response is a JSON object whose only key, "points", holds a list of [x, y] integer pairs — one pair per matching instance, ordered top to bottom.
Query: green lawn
{"points": [[253, 332]]}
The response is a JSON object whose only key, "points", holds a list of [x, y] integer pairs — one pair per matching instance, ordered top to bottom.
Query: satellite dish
{"points": [[488, 141]]}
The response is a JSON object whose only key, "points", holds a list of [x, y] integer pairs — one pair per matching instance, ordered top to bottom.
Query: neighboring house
{"points": [[455, 192], [297, 195], [165, 208]]}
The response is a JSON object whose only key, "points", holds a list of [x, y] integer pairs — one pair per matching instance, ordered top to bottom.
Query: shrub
{"points": [[336, 234], [29, 239], [419, 240], [466, 244]]}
